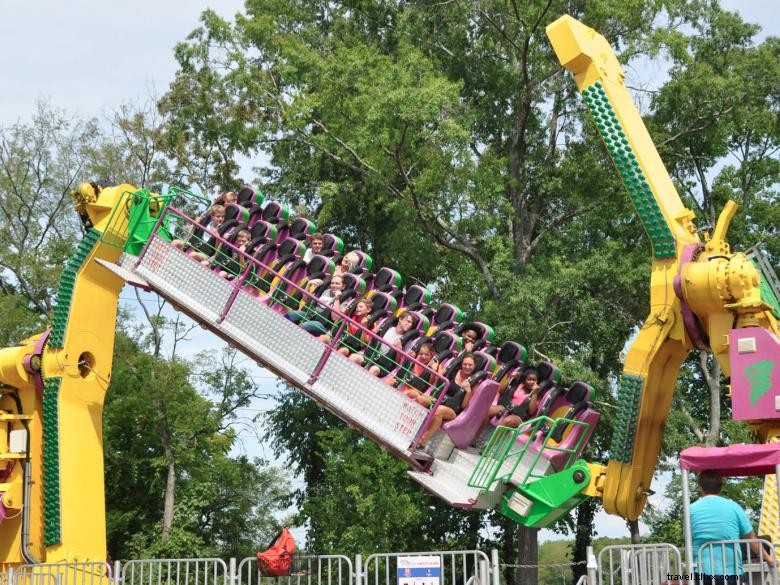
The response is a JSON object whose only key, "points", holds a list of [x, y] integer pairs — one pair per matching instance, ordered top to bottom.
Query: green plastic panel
{"points": [[633, 177], [65, 289], [629, 401], [51, 462], [548, 498]]}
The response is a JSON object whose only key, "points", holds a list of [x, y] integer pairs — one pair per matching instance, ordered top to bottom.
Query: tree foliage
{"points": [[166, 416]]}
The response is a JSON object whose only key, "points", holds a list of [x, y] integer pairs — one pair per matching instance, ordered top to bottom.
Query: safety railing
{"points": [[135, 216], [249, 274], [503, 454], [735, 561], [640, 564], [446, 567], [460, 567], [305, 570], [175, 572], [84, 573]]}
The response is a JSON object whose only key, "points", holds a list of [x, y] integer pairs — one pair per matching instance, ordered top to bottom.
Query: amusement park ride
{"points": [[52, 386]]}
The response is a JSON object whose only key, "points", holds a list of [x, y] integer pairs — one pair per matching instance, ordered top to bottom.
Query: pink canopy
{"points": [[735, 460]]}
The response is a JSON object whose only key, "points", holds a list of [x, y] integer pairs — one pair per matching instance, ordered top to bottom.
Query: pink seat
{"points": [[463, 430], [560, 445]]}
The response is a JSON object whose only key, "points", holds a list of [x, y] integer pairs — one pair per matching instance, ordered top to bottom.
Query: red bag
{"points": [[277, 560]]}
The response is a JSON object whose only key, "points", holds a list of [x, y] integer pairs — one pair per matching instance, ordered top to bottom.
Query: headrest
{"points": [[247, 197], [235, 211], [275, 212], [301, 228], [263, 229], [333, 243], [292, 246], [263, 250], [365, 262], [321, 264], [387, 277], [352, 281], [416, 294], [383, 301], [448, 312], [420, 321], [487, 332], [443, 340], [511, 350], [483, 361], [548, 371], [579, 392]]}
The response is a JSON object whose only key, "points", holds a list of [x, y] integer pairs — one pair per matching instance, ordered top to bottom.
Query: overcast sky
{"points": [[90, 56]]}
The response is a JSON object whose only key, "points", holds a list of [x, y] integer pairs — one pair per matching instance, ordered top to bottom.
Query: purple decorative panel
{"points": [[755, 374]]}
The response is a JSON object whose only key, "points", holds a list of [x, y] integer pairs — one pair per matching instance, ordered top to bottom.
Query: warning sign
{"points": [[419, 570]]}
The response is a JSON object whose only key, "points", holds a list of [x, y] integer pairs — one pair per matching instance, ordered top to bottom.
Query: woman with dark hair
{"points": [[353, 339], [418, 379], [528, 387], [457, 398]]}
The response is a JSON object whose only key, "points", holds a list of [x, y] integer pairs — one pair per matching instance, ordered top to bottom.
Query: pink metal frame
{"points": [[441, 381]]}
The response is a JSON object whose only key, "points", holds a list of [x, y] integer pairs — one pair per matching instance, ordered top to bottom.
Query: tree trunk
{"points": [[710, 369], [170, 495], [633, 528], [583, 537], [508, 550], [527, 554]]}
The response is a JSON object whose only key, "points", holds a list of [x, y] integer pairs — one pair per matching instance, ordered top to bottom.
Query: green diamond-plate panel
{"points": [[633, 177], [67, 282], [767, 294], [624, 433], [51, 462]]}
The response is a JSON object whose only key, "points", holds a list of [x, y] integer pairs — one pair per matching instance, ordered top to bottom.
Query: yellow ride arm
{"points": [[699, 291], [56, 509]]}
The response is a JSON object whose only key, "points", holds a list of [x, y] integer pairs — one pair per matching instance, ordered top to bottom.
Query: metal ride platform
{"points": [[245, 318], [351, 393], [374, 408]]}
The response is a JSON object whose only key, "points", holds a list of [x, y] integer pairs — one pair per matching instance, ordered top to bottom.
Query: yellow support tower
{"points": [[698, 290], [53, 386], [769, 524]]}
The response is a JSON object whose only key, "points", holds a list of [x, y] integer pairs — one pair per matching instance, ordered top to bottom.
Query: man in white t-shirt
{"points": [[315, 247]]}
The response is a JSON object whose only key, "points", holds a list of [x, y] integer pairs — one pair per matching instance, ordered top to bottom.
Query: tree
{"points": [[40, 163], [172, 486]]}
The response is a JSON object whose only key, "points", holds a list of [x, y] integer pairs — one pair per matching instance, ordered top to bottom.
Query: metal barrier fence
{"points": [[727, 557], [639, 564], [645, 564], [470, 567], [456, 568], [306, 570], [175, 572], [87, 573]]}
